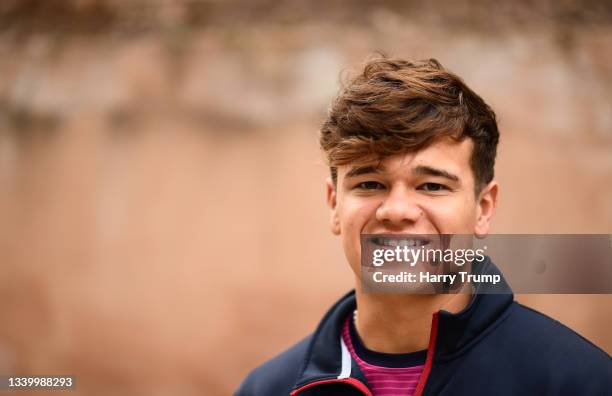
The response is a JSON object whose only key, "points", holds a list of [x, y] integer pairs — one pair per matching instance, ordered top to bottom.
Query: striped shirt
{"points": [[386, 374]]}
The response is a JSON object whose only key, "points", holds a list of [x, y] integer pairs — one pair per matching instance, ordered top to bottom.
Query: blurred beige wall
{"points": [[162, 219]]}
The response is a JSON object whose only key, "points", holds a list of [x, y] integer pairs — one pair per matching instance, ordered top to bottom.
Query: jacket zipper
{"points": [[430, 354]]}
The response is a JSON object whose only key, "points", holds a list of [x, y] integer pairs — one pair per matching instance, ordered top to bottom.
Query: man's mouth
{"points": [[401, 242]]}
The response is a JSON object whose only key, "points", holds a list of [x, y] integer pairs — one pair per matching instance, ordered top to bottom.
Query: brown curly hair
{"points": [[396, 106]]}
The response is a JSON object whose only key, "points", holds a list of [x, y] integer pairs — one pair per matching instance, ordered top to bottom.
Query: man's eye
{"points": [[370, 185], [433, 187]]}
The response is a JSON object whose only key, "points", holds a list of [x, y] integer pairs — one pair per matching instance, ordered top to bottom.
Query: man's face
{"points": [[428, 192]]}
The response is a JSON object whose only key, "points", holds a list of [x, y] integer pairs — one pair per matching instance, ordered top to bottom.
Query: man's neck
{"points": [[394, 323]]}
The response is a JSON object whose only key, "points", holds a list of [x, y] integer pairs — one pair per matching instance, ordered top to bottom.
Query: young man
{"points": [[411, 151]]}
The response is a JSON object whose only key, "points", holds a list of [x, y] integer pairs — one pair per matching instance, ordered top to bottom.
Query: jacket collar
{"points": [[455, 333]]}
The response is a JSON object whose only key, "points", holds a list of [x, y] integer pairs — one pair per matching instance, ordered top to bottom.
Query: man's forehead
{"points": [[451, 156]]}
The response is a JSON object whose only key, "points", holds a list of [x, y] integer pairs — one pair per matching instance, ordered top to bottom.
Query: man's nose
{"points": [[399, 208]]}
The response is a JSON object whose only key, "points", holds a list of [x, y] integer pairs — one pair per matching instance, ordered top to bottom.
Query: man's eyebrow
{"points": [[362, 170], [428, 170]]}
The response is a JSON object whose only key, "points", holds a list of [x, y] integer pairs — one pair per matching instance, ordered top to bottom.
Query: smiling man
{"points": [[411, 151]]}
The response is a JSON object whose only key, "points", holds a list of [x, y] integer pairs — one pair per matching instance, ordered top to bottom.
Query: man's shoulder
{"points": [[553, 335], [554, 351], [277, 376]]}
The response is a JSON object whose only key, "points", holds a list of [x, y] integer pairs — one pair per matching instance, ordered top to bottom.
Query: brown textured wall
{"points": [[162, 218]]}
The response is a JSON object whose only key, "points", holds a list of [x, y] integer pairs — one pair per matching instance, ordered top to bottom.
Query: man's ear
{"points": [[331, 201], [487, 202]]}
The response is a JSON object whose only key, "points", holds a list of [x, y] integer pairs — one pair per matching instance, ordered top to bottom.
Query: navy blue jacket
{"points": [[495, 346]]}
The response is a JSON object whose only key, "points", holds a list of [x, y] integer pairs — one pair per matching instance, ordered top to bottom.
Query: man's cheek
{"points": [[448, 220], [459, 221], [351, 251]]}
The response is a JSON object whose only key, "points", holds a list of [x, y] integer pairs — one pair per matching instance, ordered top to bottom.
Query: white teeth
{"points": [[400, 242]]}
